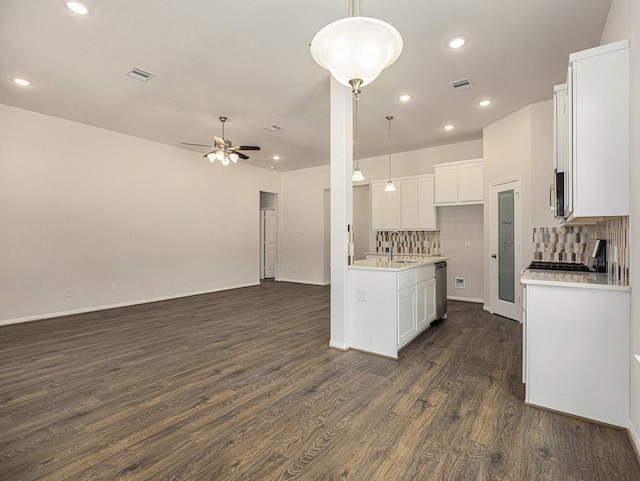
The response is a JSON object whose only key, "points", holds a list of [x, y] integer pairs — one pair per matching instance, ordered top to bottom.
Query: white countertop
{"points": [[401, 256], [382, 263], [590, 280]]}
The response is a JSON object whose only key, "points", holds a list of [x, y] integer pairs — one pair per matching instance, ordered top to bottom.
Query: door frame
{"points": [[263, 260], [501, 308]]}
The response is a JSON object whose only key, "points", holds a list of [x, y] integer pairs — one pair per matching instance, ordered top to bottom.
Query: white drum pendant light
{"points": [[356, 49]]}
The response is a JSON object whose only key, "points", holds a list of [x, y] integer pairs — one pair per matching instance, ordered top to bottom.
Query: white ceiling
{"points": [[249, 60]]}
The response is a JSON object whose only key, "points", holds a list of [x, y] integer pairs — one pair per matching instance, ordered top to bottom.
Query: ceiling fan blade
{"points": [[219, 141], [198, 145], [246, 147], [207, 154], [241, 155]]}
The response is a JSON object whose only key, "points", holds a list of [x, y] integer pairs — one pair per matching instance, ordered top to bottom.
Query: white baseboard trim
{"points": [[311, 283], [465, 299], [104, 307], [487, 308], [338, 345], [635, 439]]}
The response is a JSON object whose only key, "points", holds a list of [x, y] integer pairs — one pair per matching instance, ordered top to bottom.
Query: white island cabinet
{"points": [[390, 303], [576, 345]]}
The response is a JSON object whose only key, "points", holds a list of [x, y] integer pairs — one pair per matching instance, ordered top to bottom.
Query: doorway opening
{"points": [[268, 235]]}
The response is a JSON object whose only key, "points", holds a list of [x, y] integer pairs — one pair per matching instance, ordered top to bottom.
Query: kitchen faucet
{"points": [[390, 253]]}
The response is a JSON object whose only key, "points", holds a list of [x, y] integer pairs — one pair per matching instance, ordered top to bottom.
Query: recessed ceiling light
{"points": [[78, 8], [457, 42], [21, 82], [404, 98], [484, 103], [449, 127], [276, 157], [272, 167]]}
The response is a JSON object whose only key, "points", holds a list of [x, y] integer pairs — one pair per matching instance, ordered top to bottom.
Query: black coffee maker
{"points": [[597, 252]]}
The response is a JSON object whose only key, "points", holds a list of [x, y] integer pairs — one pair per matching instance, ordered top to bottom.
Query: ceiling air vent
{"points": [[140, 74], [463, 83], [273, 128]]}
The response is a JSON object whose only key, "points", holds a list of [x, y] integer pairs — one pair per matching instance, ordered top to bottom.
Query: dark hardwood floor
{"points": [[241, 385]]}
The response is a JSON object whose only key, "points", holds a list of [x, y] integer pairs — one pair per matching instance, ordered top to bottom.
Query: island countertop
{"points": [[382, 263]]}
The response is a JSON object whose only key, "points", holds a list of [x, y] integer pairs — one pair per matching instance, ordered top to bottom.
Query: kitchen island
{"points": [[391, 302], [576, 344]]}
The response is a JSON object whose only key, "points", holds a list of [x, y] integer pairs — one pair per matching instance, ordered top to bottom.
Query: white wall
{"points": [[624, 22], [521, 145], [418, 161], [541, 166], [82, 208], [361, 221], [457, 225], [302, 246]]}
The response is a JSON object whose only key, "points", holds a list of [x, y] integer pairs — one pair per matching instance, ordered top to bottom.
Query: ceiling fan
{"points": [[223, 149]]}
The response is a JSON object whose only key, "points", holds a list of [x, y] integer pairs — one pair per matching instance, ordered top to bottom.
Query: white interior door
{"points": [[269, 257], [506, 258]]}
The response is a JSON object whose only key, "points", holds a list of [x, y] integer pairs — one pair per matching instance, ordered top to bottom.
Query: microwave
{"points": [[556, 195]]}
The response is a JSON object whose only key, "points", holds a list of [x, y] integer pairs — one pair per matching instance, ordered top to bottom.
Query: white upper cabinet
{"points": [[559, 127], [597, 162], [459, 183], [426, 203], [385, 206], [411, 207]]}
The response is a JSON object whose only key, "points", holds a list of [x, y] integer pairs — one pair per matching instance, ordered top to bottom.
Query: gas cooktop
{"points": [[559, 266]]}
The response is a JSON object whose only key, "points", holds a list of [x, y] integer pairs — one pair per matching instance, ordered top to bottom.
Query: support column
{"points": [[341, 210]]}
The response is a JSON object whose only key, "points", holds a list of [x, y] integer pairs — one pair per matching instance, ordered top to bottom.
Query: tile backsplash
{"points": [[408, 242], [568, 244]]}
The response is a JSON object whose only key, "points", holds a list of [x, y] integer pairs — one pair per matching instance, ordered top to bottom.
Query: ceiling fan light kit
{"points": [[356, 49], [224, 150]]}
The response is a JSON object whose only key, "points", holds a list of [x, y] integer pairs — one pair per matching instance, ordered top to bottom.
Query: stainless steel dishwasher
{"points": [[441, 290]]}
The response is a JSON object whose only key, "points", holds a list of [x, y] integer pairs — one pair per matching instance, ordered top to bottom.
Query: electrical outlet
{"points": [[467, 244], [220, 275], [114, 286], [69, 292], [362, 294]]}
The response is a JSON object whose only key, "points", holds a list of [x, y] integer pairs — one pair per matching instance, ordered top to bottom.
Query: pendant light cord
{"points": [[355, 8], [390, 118], [356, 129]]}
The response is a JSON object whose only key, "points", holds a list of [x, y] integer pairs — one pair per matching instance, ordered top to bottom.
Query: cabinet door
{"points": [[559, 112], [601, 135], [568, 147], [446, 180], [470, 188], [409, 204], [426, 204], [385, 207], [392, 207], [431, 299], [425, 304], [406, 315]]}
